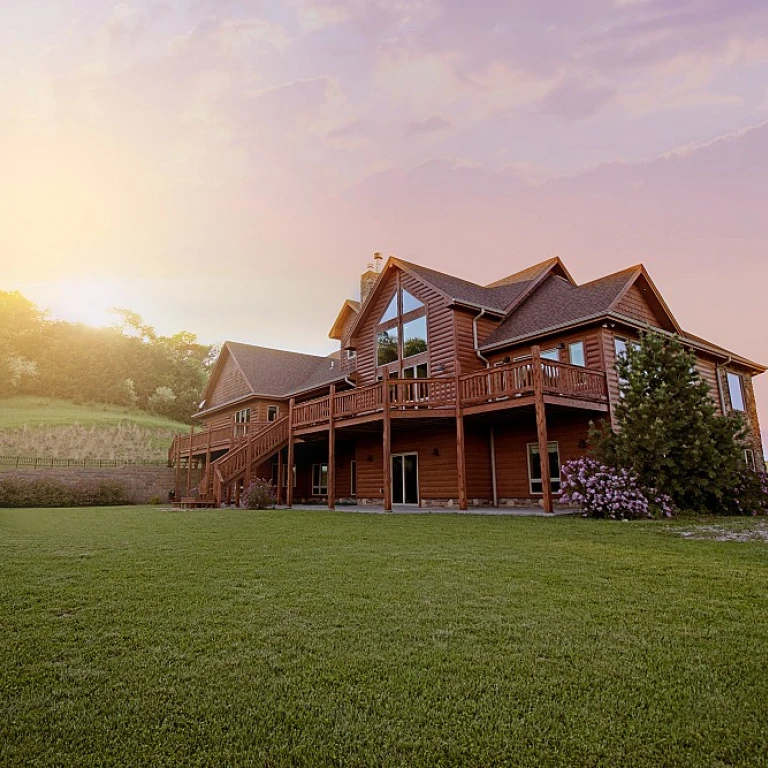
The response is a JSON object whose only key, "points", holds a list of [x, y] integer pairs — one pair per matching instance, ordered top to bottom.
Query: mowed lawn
{"points": [[145, 637]]}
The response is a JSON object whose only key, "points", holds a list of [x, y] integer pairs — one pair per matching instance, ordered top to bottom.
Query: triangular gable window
{"points": [[410, 302], [390, 313]]}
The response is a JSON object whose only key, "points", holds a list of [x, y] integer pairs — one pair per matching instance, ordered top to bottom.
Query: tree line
{"points": [[128, 363]]}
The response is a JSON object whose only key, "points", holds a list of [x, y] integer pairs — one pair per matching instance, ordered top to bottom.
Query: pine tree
{"points": [[668, 431]]}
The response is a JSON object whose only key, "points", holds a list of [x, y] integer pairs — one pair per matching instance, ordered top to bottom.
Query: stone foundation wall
{"points": [[141, 483]]}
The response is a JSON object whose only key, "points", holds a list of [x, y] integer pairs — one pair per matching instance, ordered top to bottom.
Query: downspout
{"points": [[474, 337], [720, 384]]}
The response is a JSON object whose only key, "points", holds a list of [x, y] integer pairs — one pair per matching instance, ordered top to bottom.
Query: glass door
{"points": [[405, 478]]}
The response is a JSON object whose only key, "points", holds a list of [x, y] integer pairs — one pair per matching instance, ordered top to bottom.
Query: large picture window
{"points": [[402, 329], [534, 468]]}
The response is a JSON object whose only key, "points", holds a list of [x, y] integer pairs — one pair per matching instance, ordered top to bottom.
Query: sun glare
{"points": [[84, 300]]}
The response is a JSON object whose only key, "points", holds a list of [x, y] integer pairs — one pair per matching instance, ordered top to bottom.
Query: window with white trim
{"points": [[402, 330], [576, 354], [736, 391], [272, 412], [242, 418], [749, 459], [534, 468], [319, 479]]}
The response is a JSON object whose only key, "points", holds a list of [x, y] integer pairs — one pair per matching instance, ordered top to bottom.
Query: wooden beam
{"points": [[541, 427], [387, 447], [331, 450], [189, 460], [248, 461], [461, 461], [289, 481], [176, 486], [494, 488], [279, 490]]}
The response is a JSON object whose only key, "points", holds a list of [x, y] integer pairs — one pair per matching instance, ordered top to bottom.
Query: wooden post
{"points": [[541, 428], [387, 444], [331, 450], [189, 460], [248, 460], [461, 461], [208, 476], [289, 480], [176, 486], [494, 488], [279, 490]]}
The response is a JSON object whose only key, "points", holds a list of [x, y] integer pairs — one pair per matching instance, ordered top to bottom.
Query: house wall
{"points": [[634, 305], [593, 352], [468, 361], [230, 384], [258, 406]]}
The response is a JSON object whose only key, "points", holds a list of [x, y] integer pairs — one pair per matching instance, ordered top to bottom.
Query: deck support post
{"points": [[541, 428], [387, 443], [331, 450], [248, 460], [461, 460], [189, 461], [208, 476], [289, 480], [176, 486], [494, 487], [279, 489]]}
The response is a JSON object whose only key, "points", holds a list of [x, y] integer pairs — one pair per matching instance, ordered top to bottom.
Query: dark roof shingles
{"points": [[556, 303]]}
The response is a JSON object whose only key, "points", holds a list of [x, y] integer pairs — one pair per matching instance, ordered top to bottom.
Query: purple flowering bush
{"points": [[603, 491], [260, 494]]}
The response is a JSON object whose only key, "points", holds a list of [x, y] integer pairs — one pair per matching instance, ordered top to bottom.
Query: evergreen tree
{"points": [[668, 430]]}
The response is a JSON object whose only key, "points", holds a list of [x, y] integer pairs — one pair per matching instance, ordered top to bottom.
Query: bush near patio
{"points": [[670, 437]]}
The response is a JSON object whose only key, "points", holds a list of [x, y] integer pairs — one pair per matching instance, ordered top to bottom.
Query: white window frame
{"points": [[582, 346], [736, 380], [273, 409], [749, 459], [554, 482], [317, 488]]}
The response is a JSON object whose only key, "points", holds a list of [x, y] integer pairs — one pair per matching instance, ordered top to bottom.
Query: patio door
{"points": [[405, 478]]}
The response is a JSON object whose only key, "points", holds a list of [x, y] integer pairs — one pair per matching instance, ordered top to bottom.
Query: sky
{"points": [[228, 167]]}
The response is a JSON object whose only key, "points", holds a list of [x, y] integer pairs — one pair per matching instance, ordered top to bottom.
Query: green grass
{"points": [[16, 412], [137, 636]]}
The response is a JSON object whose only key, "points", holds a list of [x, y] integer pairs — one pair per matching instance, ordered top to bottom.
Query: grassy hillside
{"points": [[49, 428]]}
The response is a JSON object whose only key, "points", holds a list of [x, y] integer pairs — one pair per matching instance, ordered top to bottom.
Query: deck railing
{"points": [[490, 385]]}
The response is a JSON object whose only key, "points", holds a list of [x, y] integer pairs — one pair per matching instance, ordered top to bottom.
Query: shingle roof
{"points": [[527, 274], [496, 298], [558, 302], [278, 373]]}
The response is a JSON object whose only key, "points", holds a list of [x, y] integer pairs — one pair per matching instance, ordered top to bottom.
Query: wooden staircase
{"points": [[242, 460]]}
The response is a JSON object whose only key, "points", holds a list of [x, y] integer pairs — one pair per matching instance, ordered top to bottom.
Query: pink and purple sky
{"points": [[227, 167]]}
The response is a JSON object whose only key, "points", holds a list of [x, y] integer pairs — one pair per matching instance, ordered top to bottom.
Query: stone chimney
{"points": [[369, 277]]}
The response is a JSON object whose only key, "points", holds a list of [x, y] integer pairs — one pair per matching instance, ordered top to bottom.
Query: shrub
{"points": [[604, 491], [44, 492], [260, 494], [751, 497]]}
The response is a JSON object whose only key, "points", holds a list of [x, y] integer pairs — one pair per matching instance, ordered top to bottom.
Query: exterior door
{"points": [[405, 478]]}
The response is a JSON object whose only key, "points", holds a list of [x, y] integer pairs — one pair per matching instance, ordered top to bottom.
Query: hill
{"points": [[51, 428]]}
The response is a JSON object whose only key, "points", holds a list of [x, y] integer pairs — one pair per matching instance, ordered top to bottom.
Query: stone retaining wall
{"points": [[141, 483]]}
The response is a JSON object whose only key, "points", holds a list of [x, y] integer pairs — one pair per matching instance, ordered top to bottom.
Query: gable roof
{"points": [[553, 265], [557, 303], [348, 307], [275, 372]]}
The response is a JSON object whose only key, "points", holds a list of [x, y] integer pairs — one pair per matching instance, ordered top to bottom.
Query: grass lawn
{"points": [[144, 637]]}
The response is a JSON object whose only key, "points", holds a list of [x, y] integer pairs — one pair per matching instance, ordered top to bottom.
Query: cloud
{"points": [[575, 101], [434, 124]]}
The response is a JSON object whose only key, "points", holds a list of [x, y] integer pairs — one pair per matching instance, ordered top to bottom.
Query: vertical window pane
{"points": [[415, 337], [620, 345], [386, 346], [576, 353], [551, 354], [736, 391], [534, 467]]}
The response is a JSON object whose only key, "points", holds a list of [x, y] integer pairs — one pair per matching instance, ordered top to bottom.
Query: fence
{"points": [[37, 461]]}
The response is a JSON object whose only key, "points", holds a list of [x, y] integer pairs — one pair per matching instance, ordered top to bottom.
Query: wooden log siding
{"points": [[634, 305], [467, 358], [230, 385]]}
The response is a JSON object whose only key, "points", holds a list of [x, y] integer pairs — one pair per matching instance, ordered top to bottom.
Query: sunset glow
{"points": [[228, 168]]}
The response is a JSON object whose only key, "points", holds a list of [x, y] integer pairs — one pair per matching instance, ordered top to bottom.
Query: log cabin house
{"points": [[442, 392]]}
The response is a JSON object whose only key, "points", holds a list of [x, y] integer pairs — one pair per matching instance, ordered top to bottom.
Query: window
{"points": [[390, 313], [415, 337], [398, 339], [386, 346], [351, 354], [550, 354], [576, 354], [416, 372], [736, 391], [272, 412], [241, 421], [749, 459], [534, 467], [353, 478], [319, 479]]}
